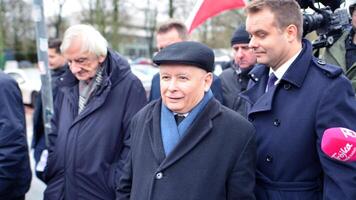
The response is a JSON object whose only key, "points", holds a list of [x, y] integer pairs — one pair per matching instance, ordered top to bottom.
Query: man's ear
{"points": [[291, 32], [101, 59], [208, 80]]}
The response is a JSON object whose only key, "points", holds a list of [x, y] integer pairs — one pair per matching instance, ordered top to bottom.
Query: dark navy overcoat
{"points": [[290, 120], [85, 149], [15, 171]]}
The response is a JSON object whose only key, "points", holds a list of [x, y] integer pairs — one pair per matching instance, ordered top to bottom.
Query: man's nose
{"points": [[253, 43], [239, 53], [74, 67], [172, 85]]}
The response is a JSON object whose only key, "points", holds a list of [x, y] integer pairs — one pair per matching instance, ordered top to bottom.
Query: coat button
{"points": [[321, 62], [287, 86], [276, 122], [269, 158], [159, 175]]}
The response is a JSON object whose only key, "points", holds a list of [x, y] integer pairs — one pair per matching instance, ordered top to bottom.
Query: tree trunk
{"points": [[171, 9], [58, 23]]}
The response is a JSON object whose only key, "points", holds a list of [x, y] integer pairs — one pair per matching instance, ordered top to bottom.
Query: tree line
{"points": [[17, 31]]}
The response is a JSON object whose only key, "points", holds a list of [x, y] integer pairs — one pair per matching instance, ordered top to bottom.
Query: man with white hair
{"points": [[93, 108]]}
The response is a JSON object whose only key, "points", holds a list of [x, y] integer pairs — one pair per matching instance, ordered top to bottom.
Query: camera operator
{"points": [[343, 51]]}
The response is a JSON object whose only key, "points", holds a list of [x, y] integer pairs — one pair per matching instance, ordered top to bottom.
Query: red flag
{"points": [[205, 9]]}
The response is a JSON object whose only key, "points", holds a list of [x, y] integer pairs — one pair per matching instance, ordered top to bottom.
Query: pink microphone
{"points": [[339, 143]]}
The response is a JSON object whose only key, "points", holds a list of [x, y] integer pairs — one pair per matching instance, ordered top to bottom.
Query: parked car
{"points": [[222, 58], [145, 73], [29, 81]]}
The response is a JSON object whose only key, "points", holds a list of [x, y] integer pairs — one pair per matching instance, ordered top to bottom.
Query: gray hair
{"points": [[91, 40]]}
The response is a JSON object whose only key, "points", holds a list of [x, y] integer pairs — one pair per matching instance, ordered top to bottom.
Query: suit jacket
{"points": [[290, 120], [214, 160]]}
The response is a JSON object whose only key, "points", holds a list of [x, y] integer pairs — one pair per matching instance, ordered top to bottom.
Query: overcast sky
{"points": [[70, 6]]}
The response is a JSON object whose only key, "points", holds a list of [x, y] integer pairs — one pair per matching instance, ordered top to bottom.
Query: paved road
{"points": [[37, 186]]}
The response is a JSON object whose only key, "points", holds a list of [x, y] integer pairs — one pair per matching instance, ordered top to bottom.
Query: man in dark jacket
{"points": [[170, 32], [343, 52], [57, 66], [235, 78], [294, 98], [93, 108], [187, 145], [15, 171]]}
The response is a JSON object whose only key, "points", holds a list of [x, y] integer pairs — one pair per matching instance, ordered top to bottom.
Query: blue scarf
{"points": [[171, 134]]}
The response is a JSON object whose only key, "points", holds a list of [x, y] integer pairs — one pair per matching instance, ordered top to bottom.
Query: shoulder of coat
{"points": [[329, 70]]}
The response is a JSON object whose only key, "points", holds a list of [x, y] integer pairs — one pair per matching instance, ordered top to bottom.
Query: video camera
{"points": [[328, 22]]}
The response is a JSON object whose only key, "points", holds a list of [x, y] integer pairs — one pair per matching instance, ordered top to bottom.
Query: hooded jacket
{"points": [[85, 150]]}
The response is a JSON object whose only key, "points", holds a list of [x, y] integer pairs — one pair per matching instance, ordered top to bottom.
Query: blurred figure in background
{"points": [[170, 32], [343, 52], [57, 66], [235, 78], [94, 105], [15, 171]]}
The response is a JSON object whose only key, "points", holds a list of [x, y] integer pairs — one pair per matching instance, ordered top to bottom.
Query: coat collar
{"points": [[115, 69], [295, 75], [154, 132], [195, 133]]}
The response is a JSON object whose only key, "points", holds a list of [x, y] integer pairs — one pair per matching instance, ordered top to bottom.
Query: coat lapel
{"points": [[257, 97], [260, 100], [264, 103], [198, 130], [154, 133]]}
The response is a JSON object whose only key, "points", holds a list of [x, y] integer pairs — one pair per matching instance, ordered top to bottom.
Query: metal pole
{"points": [[42, 55]]}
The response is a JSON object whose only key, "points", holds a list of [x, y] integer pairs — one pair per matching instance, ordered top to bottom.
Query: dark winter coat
{"points": [[336, 55], [233, 83], [290, 120], [38, 138], [85, 149], [214, 160], [15, 171]]}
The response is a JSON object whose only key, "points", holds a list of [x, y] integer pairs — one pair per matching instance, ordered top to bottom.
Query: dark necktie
{"points": [[271, 80], [179, 118]]}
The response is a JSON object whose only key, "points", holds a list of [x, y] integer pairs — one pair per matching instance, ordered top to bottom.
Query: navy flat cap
{"points": [[186, 53]]}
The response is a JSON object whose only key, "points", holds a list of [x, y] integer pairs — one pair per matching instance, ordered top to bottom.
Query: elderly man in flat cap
{"points": [[187, 145]]}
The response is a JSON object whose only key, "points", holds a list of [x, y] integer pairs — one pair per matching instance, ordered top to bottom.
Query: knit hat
{"points": [[240, 36]]}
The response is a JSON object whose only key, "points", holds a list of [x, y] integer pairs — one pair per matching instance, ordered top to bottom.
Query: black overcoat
{"points": [[214, 160]]}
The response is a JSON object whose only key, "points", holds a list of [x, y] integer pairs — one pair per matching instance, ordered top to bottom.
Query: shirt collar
{"points": [[283, 68], [185, 114]]}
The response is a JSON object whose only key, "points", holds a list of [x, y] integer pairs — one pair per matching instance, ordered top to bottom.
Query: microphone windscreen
{"points": [[339, 143]]}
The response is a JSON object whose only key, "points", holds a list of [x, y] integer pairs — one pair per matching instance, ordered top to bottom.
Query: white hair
{"points": [[91, 40]]}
